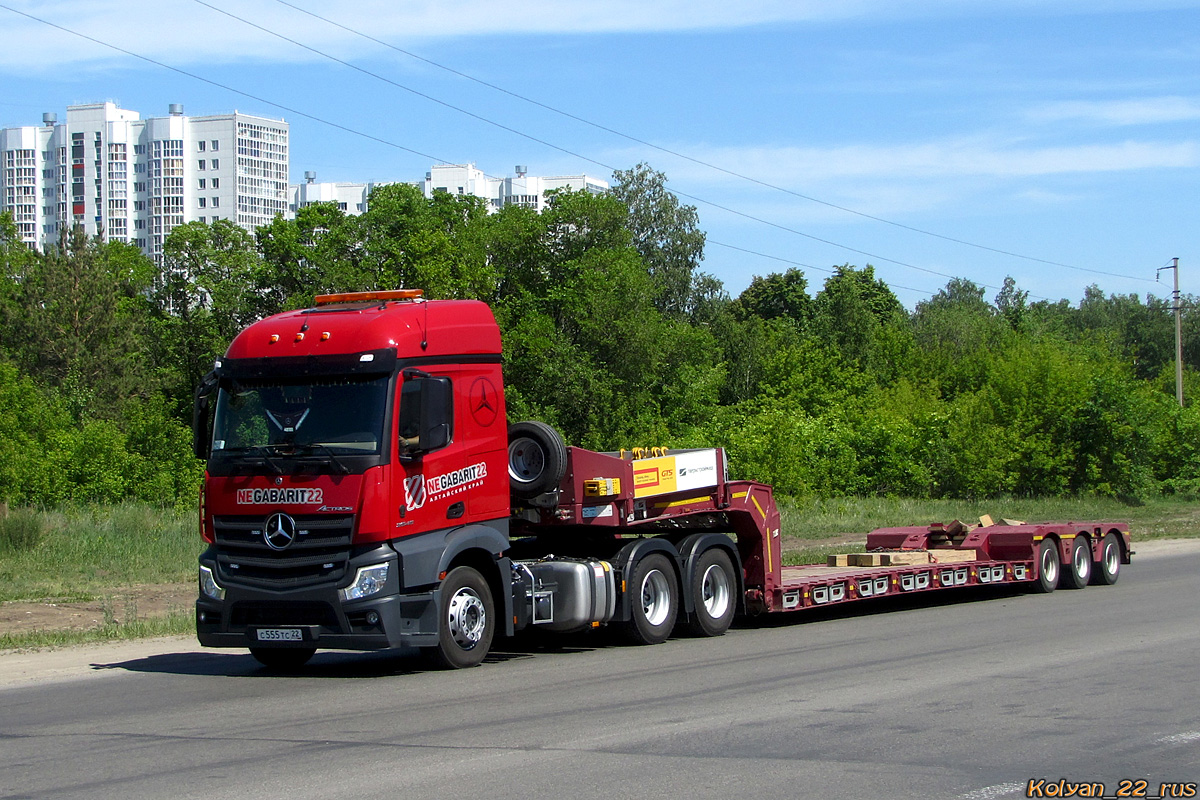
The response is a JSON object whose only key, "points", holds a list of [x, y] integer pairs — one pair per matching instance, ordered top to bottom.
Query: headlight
{"points": [[368, 581], [209, 586]]}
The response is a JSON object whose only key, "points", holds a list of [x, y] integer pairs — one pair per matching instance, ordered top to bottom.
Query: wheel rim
{"points": [[526, 460], [1112, 558], [1083, 561], [1049, 564], [715, 591], [656, 597], [467, 618]]}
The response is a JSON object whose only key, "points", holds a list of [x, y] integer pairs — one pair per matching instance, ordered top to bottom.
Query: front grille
{"points": [[320, 553]]}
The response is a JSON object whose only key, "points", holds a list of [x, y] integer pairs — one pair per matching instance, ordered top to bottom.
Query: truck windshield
{"points": [[341, 415]]}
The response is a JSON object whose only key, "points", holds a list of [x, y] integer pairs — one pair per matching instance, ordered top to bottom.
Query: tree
{"points": [[666, 234], [777, 296], [851, 308]]}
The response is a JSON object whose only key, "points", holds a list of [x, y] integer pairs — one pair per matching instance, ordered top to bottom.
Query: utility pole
{"points": [[1178, 333]]}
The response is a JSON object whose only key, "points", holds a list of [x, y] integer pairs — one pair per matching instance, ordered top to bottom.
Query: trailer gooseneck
{"points": [[365, 491]]}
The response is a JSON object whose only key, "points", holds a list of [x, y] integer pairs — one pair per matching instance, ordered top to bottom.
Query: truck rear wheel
{"points": [[537, 458], [1048, 565], [1108, 568], [1079, 571], [713, 589], [654, 604], [467, 620], [282, 659]]}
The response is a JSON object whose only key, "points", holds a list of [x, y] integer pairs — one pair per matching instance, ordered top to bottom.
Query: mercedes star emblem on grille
{"points": [[280, 531]]}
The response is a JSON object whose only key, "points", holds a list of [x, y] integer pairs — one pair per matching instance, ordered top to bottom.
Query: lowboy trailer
{"points": [[364, 491]]}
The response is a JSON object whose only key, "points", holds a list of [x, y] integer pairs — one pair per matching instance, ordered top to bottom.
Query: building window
{"points": [[200, 145], [216, 145], [201, 163], [216, 163], [202, 182], [216, 183], [201, 201], [216, 202], [203, 220]]}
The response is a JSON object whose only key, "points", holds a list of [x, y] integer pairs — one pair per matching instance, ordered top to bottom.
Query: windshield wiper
{"points": [[256, 455], [331, 459]]}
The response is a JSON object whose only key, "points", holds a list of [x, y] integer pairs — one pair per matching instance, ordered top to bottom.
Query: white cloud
{"points": [[186, 32], [1140, 111], [971, 157]]}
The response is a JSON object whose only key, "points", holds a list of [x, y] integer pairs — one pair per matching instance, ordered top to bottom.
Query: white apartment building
{"points": [[133, 180], [521, 189], [350, 197]]}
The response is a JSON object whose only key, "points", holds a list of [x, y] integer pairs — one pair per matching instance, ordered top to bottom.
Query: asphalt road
{"points": [[966, 700]]}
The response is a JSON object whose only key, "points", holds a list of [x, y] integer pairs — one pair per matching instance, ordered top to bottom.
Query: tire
{"points": [[537, 458], [1048, 567], [1078, 571], [1106, 571], [714, 591], [654, 600], [467, 620], [282, 659]]}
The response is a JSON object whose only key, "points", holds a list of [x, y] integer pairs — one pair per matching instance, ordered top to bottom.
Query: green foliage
{"points": [[612, 335], [20, 530]]}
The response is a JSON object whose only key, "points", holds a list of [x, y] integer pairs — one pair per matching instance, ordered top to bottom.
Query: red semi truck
{"points": [[365, 491]]}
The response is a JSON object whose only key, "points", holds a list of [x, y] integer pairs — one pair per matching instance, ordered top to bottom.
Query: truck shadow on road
{"points": [[334, 664]]}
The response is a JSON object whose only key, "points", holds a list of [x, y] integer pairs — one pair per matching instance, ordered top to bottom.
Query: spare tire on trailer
{"points": [[537, 458]]}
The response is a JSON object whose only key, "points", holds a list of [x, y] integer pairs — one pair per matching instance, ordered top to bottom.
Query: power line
{"points": [[571, 153], [428, 156], [685, 156]]}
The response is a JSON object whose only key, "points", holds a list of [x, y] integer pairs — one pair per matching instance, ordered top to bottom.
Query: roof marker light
{"points": [[364, 297], [324, 336], [299, 337], [274, 338]]}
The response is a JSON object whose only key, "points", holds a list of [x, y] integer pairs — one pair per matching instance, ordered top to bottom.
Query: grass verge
{"points": [[176, 623]]}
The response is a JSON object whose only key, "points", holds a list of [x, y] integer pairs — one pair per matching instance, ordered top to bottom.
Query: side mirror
{"points": [[426, 413], [201, 419]]}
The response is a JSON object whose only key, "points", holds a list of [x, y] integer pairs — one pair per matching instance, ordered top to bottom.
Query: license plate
{"points": [[280, 635]]}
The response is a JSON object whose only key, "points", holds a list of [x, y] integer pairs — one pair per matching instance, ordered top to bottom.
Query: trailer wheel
{"points": [[537, 458], [1047, 567], [1108, 568], [1079, 571], [713, 590], [654, 601], [467, 620], [283, 659]]}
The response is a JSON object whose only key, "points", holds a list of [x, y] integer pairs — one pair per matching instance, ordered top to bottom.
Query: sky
{"points": [[1053, 141]]}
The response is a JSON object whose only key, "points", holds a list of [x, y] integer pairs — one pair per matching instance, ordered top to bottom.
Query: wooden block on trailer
{"points": [[986, 521], [952, 556], [866, 559], [905, 559], [842, 560]]}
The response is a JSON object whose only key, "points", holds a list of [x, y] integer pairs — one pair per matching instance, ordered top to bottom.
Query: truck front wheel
{"points": [[655, 601], [467, 620], [282, 659]]}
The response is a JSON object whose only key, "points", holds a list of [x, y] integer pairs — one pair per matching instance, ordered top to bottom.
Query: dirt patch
{"points": [[120, 605]]}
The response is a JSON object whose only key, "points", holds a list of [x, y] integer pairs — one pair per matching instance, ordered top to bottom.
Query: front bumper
{"points": [[385, 620]]}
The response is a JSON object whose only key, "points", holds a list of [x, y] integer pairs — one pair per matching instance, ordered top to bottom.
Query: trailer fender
{"points": [[694, 546], [628, 556]]}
